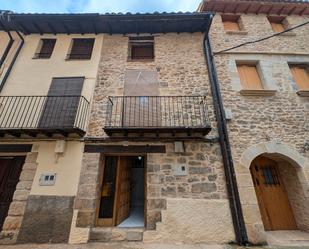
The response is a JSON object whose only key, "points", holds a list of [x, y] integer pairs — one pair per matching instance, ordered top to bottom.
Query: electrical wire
{"points": [[261, 39]]}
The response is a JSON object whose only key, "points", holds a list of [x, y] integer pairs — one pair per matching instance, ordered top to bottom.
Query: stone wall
{"points": [[180, 64], [281, 118], [205, 178], [296, 193], [47, 219], [13, 221]]}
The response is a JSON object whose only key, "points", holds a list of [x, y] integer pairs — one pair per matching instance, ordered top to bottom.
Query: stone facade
{"points": [[181, 67], [276, 124]]}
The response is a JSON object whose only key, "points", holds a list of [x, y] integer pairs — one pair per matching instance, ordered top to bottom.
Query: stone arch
{"points": [[272, 147], [248, 197]]}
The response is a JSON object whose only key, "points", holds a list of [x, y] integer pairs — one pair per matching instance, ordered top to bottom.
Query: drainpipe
{"points": [[11, 41], [8, 47], [7, 73], [231, 183]]}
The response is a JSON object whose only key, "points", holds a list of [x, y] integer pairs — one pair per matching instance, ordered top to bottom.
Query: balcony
{"points": [[43, 115], [159, 116]]}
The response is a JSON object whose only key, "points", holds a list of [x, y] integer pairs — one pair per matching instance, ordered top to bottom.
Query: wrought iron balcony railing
{"points": [[43, 114], [157, 114]]}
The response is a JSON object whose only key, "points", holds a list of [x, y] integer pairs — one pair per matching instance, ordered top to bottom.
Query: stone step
{"points": [[116, 234]]}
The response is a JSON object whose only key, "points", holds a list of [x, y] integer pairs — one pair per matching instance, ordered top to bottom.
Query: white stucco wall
{"points": [[33, 76]]}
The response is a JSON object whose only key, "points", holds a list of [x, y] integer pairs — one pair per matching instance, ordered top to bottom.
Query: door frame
{"points": [[98, 221]]}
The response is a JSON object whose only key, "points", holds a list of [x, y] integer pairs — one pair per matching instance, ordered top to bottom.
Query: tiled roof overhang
{"points": [[269, 7], [106, 23]]}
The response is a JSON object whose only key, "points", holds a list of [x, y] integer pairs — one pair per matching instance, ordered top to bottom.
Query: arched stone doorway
{"points": [[293, 170], [271, 191]]}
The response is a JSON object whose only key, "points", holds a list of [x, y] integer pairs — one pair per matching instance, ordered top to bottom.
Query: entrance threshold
{"points": [[136, 219], [287, 238]]}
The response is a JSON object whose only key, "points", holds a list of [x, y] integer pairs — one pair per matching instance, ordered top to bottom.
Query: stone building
{"points": [[265, 89], [151, 115], [108, 124], [131, 127]]}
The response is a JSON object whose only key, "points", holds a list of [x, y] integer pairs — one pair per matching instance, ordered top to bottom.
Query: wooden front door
{"points": [[10, 169], [123, 190], [115, 194], [272, 197]]}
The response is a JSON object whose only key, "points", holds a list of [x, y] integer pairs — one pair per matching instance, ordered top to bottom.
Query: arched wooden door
{"points": [[272, 197]]}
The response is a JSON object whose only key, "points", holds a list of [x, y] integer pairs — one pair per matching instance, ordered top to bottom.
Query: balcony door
{"points": [[61, 105], [141, 107]]}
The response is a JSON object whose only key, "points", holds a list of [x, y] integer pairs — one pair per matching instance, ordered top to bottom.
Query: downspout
{"points": [[8, 47], [7, 73], [231, 183]]}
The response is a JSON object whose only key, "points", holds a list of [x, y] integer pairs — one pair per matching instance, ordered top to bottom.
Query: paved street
{"points": [[135, 246]]}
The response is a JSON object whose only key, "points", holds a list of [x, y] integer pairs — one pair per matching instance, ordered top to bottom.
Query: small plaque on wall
{"points": [[180, 170], [47, 179]]}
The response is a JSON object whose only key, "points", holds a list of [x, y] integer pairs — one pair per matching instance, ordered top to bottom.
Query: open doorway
{"points": [[122, 200]]}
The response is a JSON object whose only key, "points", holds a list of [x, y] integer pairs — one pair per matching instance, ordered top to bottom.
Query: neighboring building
{"points": [[265, 89], [44, 100], [149, 158]]}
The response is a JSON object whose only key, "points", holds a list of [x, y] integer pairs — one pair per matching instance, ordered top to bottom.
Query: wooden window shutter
{"points": [[276, 23], [231, 26], [277, 27], [46, 48], [141, 48], [81, 49], [142, 52], [301, 76], [249, 77]]}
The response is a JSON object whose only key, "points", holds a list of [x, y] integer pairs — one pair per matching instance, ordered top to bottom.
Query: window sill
{"points": [[235, 32], [38, 58], [68, 59], [140, 60], [257, 92], [303, 93]]}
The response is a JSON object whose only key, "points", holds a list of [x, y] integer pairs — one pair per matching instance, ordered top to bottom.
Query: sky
{"points": [[98, 6]]}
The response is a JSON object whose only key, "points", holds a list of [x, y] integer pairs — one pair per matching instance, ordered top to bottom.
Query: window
{"points": [[231, 22], [276, 23], [46, 48], [141, 48], [81, 49], [301, 76], [249, 77], [270, 176]]}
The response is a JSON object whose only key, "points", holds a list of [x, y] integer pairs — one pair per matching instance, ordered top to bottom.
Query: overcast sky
{"points": [[95, 6]]}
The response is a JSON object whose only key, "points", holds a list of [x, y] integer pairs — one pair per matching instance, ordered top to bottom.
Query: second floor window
{"points": [[231, 22], [276, 23], [46, 48], [141, 48], [81, 49], [301, 76], [249, 77]]}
